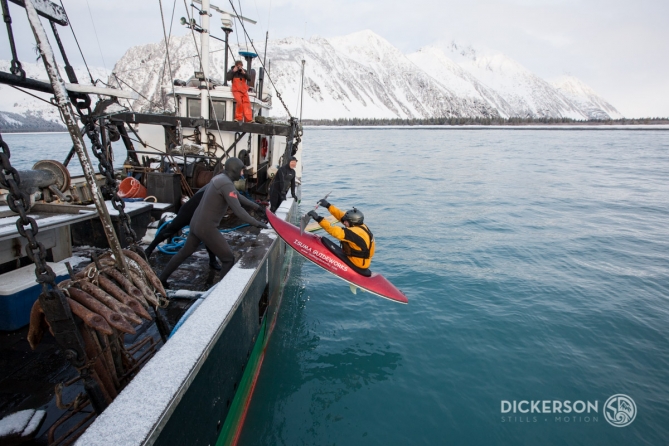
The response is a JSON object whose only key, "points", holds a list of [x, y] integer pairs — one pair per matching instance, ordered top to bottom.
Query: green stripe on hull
{"points": [[242, 397], [235, 418]]}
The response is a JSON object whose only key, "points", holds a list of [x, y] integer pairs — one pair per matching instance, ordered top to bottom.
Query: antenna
{"points": [[219, 10]]}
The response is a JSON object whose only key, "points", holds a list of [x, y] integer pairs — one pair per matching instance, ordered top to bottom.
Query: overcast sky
{"points": [[618, 47]]}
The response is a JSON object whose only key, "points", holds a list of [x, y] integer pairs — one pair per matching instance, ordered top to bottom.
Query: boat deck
{"points": [[28, 378]]}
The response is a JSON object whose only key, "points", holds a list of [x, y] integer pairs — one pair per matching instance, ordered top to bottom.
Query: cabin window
{"points": [[218, 107], [194, 108]]}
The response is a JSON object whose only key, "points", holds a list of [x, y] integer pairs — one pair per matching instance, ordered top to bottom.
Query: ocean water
{"points": [[28, 148], [537, 268]]}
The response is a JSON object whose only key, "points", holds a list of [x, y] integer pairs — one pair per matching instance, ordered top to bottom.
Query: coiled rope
{"points": [[177, 242]]}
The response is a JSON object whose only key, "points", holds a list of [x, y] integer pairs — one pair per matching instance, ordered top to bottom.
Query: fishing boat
{"points": [[98, 352]]}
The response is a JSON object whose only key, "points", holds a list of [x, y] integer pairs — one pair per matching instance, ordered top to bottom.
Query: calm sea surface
{"points": [[28, 148], [537, 268]]}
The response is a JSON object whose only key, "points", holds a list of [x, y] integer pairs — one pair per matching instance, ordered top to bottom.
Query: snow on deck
{"points": [[129, 206], [137, 411], [131, 418], [24, 422]]}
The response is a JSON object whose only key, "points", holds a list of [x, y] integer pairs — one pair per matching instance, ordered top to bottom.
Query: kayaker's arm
{"points": [[336, 212], [335, 231]]}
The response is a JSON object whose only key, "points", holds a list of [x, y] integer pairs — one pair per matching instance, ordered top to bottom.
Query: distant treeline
{"points": [[481, 121]]}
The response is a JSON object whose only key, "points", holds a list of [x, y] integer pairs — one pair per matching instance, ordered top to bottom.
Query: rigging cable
{"points": [[95, 30], [267, 32], [193, 34], [236, 35], [169, 36], [77, 40], [246, 43], [167, 51], [118, 79], [206, 82], [302, 91], [33, 95], [278, 95]]}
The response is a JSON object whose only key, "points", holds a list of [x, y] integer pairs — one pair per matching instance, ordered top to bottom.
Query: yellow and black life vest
{"points": [[366, 247]]}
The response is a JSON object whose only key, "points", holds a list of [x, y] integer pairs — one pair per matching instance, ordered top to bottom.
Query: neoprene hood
{"points": [[233, 168]]}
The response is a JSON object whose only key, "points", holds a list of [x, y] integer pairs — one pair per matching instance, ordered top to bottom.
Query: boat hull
{"points": [[224, 385], [197, 388]]}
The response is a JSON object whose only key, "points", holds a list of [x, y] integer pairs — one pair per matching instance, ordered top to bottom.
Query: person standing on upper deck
{"points": [[240, 90]]}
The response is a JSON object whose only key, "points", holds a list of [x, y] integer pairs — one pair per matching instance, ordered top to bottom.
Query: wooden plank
{"points": [[60, 208]]}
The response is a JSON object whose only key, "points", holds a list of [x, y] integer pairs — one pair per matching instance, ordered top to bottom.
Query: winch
{"points": [[48, 176]]}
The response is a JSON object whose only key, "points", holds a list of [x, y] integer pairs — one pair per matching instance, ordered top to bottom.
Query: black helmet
{"points": [[233, 168], [354, 217]]}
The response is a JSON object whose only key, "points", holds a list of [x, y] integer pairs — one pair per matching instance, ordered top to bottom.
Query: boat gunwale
{"points": [[151, 434]]}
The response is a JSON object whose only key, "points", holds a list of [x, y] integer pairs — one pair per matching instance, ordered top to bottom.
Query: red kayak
{"points": [[312, 248]]}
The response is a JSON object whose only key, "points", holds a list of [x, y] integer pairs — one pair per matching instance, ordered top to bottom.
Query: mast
{"points": [[226, 21], [204, 86], [302, 90]]}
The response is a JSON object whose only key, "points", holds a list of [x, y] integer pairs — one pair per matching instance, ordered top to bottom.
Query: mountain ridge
{"points": [[359, 75]]}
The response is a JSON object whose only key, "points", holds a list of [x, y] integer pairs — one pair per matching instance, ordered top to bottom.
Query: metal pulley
{"points": [[59, 171], [46, 174]]}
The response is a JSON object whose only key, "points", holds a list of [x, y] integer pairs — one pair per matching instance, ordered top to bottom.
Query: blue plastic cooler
{"points": [[18, 291]]}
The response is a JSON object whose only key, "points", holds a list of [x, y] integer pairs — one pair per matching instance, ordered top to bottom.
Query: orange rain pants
{"points": [[240, 90]]}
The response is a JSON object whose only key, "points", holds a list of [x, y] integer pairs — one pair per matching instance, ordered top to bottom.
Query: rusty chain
{"points": [[107, 170], [19, 202], [52, 298]]}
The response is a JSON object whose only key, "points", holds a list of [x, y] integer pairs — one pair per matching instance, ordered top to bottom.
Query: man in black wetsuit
{"points": [[283, 180], [220, 194], [183, 219]]}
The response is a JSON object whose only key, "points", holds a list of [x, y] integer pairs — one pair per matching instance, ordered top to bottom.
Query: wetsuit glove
{"points": [[323, 202], [262, 211], [315, 216], [261, 226]]}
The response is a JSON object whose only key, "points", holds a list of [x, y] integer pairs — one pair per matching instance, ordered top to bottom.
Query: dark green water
{"points": [[537, 268]]}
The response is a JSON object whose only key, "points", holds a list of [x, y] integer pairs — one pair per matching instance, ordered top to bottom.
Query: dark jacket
{"points": [[237, 74], [284, 180]]}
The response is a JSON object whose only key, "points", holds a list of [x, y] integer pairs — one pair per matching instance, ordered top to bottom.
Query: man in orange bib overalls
{"points": [[240, 90]]}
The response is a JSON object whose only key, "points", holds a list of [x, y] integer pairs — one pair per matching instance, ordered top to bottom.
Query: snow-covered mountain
{"points": [[359, 75], [362, 75], [454, 77], [510, 87], [585, 98], [20, 112]]}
